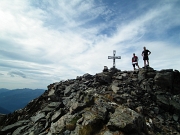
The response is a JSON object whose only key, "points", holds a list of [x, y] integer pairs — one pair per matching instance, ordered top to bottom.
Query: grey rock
{"points": [[124, 74], [151, 74], [142, 75], [87, 76], [119, 77], [104, 78], [164, 79], [146, 86], [114, 88], [68, 89], [163, 101], [175, 105], [52, 106], [76, 106], [139, 109], [156, 110], [57, 115], [37, 117], [175, 117], [127, 120], [15, 125], [58, 126], [19, 130], [107, 133]]}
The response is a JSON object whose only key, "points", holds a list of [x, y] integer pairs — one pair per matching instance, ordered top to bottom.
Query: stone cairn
{"points": [[114, 102]]}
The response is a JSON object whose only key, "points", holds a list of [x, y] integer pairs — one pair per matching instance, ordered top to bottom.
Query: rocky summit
{"points": [[112, 102]]}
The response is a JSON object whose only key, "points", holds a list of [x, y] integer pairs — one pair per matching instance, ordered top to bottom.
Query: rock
{"points": [[105, 69], [151, 74], [124, 75], [142, 75], [87, 76], [119, 77], [104, 78], [164, 79], [176, 84], [146, 86], [114, 88], [68, 90], [51, 92], [163, 102], [175, 105], [52, 106], [76, 106], [139, 109], [156, 110], [57, 115], [37, 117], [175, 117], [127, 120], [14, 126], [59, 126], [19, 130], [108, 133]]}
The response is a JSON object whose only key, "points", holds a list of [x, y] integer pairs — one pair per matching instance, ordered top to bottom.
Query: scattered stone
{"points": [[112, 102], [175, 117]]}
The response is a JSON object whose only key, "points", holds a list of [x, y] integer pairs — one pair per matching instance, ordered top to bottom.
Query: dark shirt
{"points": [[145, 53], [134, 59]]}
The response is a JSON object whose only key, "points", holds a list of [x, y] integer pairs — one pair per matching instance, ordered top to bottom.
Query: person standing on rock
{"points": [[145, 55], [135, 61]]}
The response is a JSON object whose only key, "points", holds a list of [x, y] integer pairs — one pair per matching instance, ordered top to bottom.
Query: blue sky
{"points": [[42, 42]]}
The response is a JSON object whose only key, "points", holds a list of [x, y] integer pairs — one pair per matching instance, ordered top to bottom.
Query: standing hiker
{"points": [[145, 54], [135, 61]]}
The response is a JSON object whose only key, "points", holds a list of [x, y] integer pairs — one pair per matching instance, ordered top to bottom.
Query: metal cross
{"points": [[114, 57]]}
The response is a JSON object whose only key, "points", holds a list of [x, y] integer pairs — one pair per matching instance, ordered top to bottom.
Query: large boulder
{"points": [[146, 73], [87, 76], [104, 78], [164, 79], [176, 84], [114, 88], [168, 102], [127, 120], [12, 127]]}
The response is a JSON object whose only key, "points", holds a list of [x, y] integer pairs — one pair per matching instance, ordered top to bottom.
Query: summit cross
{"points": [[114, 57]]}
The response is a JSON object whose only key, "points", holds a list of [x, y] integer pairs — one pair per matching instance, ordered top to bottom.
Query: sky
{"points": [[43, 42]]}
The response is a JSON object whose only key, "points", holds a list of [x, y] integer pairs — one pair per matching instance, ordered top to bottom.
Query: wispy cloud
{"points": [[54, 40], [18, 73]]}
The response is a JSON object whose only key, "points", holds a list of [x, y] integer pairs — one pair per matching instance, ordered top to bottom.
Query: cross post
{"points": [[114, 57]]}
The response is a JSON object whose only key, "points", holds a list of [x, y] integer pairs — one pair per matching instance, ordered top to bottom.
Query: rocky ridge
{"points": [[112, 102]]}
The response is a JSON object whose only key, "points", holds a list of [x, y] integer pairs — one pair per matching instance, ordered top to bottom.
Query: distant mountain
{"points": [[3, 90], [18, 98], [4, 111]]}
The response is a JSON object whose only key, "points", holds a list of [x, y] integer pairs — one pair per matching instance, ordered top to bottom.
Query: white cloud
{"points": [[51, 40]]}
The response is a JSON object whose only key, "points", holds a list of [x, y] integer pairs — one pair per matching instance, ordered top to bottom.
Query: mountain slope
{"points": [[18, 98], [144, 102]]}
